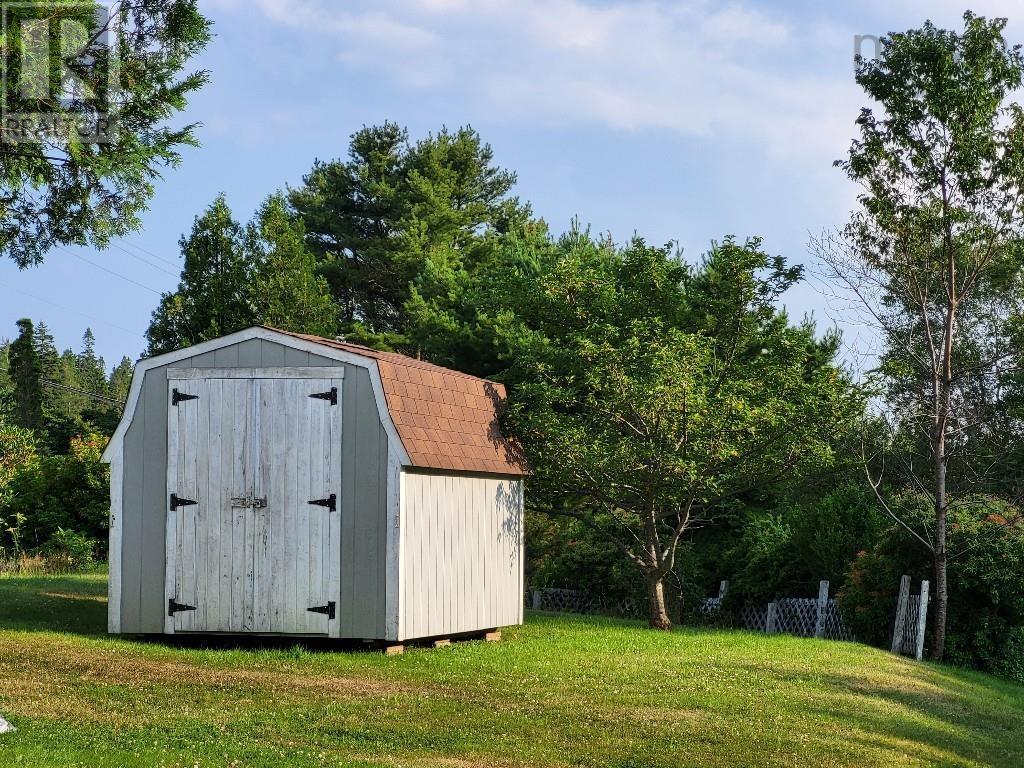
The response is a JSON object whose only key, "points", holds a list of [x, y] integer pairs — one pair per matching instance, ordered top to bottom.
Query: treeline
{"points": [[57, 410]]}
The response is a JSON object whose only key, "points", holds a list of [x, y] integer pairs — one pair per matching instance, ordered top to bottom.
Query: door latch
{"points": [[249, 502]]}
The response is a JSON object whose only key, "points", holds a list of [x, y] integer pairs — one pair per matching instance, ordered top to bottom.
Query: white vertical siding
{"points": [[461, 555]]}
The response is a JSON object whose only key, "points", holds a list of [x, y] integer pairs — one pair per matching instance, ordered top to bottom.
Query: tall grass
{"points": [[56, 564]]}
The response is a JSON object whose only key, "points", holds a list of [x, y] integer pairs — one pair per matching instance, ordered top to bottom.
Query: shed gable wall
{"points": [[363, 498], [462, 553]]}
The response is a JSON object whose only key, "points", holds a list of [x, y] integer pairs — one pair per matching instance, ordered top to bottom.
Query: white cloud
{"points": [[692, 68]]}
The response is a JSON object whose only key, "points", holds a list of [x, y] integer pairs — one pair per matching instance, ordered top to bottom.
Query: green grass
{"points": [[559, 691]]}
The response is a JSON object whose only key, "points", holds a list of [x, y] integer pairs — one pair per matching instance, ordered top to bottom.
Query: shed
{"points": [[276, 483]]}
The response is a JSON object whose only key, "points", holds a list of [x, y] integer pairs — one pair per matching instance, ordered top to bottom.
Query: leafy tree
{"points": [[60, 188], [400, 222], [934, 255], [285, 291], [212, 298], [25, 373], [646, 394], [17, 451], [69, 492]]}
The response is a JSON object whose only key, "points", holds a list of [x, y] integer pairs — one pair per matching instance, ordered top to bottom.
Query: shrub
{"points": [[17, 452], [62, 492], [70, 548], [787, 551], [985, 627]]}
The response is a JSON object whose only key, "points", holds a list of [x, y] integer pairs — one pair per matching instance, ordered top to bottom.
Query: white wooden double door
{"points": [[254, 487]]}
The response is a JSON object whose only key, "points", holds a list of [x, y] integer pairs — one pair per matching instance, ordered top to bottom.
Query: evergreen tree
{"points": [[58, 186], [400, 222], [286, 291], [212, 298], [25, 374], [92, 375], [121, 381], [6, 385]]}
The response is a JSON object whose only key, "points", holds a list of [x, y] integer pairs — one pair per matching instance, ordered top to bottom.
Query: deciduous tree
{"points": [[934, 255], [647, 394]]}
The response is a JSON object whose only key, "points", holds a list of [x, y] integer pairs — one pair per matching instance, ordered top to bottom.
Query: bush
{"points": [[17, 453], [62, 492], [71, 549], [787, 551], [564, 553], [985, 628]]}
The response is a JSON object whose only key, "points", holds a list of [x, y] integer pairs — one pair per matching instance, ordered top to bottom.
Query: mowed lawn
{"points": [[559, 691]]}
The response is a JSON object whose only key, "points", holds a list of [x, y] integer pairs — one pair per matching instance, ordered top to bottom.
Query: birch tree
{"points": [[933, 256]]}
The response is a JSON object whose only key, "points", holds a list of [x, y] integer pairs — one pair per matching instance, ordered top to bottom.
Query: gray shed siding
{"points": [[363, 496]]}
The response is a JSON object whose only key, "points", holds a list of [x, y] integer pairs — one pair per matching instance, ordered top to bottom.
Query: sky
{"points": [[679, 121]]}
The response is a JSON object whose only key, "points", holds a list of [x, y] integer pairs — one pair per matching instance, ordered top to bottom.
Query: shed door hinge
{"points": [[332, 396], [180, 397], [177, 501], [331, 502], [173, 607], [327, 610]]}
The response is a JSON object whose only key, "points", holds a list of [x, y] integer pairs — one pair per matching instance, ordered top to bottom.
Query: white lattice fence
{"points": [[579, 601], [797, 616], [800, 616], [754, 617], [911, 619], [835, 627]]}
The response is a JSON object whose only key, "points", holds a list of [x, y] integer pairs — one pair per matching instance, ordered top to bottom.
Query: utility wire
{"points": [[136, 246], [144, 260], [112, 272], [66, 308], [78, 391]]}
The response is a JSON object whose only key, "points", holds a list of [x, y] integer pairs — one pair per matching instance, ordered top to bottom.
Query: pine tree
{"points": [[400, 222], [286, 292], [212, 298], [25, 373], [92, 375], [121, 381]]}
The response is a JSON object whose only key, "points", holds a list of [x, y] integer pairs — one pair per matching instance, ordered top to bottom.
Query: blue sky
{"points": [[684, 120]]}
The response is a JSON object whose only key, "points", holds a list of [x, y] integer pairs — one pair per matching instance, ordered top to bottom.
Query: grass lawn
{"points": [[559, 691]]}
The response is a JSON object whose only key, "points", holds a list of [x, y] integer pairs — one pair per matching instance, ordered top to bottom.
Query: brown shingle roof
{"points": [[445, 419]]}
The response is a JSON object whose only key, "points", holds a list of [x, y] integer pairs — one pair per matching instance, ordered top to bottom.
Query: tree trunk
{"points": [[943, 402], [939, 556], [656, 595], [941, 599]]}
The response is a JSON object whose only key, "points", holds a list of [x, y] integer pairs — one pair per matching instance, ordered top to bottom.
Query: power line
{"points": [[156, 256], [144, 261], [112, 272], [75, 311], [78, 391]]}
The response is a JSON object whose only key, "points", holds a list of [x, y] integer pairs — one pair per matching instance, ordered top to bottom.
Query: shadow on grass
{"points": [[73, 604], [77, 604], [959, 718]]}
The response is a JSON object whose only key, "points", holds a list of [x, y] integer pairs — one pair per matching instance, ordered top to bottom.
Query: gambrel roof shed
{"points": [[445, 419], [278, 483]]}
